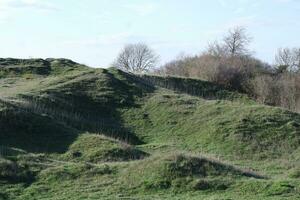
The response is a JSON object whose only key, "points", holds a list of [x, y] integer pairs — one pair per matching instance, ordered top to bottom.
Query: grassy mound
{"points": [[17, 67], [28, 68], [195, 87], [87, 100], [48, 108], [220, 127], [32, 132], [96, 148], [185, 172], [72, 181]]}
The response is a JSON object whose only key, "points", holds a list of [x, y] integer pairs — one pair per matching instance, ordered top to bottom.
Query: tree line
{"points": [[231, 63]]}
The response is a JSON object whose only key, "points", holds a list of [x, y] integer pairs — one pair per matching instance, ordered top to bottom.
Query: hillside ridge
{"points": [[81, 133]]}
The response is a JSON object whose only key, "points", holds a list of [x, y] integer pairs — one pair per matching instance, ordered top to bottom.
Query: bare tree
{"points": [[236, 42], [217, 49], [137, 58], [297, 58], [283, 59], [288, 59]]}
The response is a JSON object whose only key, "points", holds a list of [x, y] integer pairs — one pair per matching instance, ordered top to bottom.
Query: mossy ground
{"points": [[71, 132]]}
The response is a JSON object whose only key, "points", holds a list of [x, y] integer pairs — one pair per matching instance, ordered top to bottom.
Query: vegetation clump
{"points": [[12, 171], [183, 171]]}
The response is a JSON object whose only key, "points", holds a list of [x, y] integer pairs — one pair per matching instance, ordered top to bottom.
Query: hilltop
{"points": [[68, 131]]}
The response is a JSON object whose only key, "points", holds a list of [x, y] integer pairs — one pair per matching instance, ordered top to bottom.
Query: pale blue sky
{"points": [[93, 31]]}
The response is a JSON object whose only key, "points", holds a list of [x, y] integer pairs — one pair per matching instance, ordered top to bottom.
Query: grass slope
{"points": [[221, 127], [71, 132]]}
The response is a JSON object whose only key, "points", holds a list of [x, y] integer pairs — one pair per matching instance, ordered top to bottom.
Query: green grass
{"points": [[226, 128], [32, 132], [72, 132], [97, 149]]}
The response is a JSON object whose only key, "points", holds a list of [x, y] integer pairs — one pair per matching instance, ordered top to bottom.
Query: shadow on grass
{"points": [[49, 122]]}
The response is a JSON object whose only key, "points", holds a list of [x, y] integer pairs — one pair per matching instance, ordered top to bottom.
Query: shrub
{"points": [[278, 90], [14, 172]]}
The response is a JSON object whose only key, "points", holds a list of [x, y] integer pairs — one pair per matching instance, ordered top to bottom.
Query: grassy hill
{"points": [[68, 131]]}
